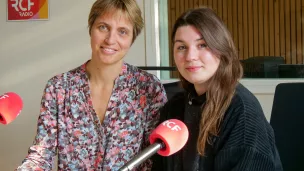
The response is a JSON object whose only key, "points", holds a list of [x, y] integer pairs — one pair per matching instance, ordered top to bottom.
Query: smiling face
{"points": [[111, 37], [193, 58]]}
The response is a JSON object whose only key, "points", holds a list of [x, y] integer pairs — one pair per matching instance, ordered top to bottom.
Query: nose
{"points": [[111, 38], [192, 54]]}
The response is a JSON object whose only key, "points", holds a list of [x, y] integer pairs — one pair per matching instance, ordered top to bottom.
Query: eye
{"points": [[103, 28], [123, 32], [202, 45], [181, 47]]}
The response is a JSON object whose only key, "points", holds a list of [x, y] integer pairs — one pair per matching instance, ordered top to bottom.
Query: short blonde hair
{"points": [[128, 7]]}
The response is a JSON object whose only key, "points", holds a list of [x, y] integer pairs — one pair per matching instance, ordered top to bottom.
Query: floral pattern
{"points": [[68, 125]]}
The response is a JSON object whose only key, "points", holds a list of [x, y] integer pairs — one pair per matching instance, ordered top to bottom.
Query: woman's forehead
{"points": [[116, 15], [188, 32]]}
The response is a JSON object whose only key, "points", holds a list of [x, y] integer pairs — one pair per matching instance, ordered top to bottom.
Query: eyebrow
{"points": [[101, 22], [183, 41]]}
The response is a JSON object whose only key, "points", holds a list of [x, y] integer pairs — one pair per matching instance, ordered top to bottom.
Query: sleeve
{"points": [[155, 103], [43, 150], [246, 158]]}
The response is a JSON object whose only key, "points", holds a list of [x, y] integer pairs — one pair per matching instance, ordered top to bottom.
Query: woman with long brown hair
{"points": [[227, 126]]}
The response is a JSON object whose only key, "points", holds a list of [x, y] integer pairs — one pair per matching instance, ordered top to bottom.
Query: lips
{"points": [[107, 50], [193, 68]]}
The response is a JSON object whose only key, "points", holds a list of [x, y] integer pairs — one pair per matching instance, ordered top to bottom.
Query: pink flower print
{"points": [[124, 67], [142, 78], [48, 96], [60, 97], [142, 101], [90, 102], [81, 108], [42, 110], [67, 119], [81, 122], [52, 123], [70, 126], [116, 126], [77, 133], [123, 134], [70, 148], [114, 151], [97, 161], [86, 162]]}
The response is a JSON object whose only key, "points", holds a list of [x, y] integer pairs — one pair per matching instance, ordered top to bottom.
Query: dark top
{"points": [[245, 142]]}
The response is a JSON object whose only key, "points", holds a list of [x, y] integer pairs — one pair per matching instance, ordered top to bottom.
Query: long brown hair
{"points": [[221, 86]]}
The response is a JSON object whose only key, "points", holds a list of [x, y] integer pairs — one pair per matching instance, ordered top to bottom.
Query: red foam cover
{"points": [[10, 107], [174, 133]]}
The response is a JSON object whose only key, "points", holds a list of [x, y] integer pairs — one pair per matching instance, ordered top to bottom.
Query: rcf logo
{"points": [[18, 5], [23, 7], [27, 9], [4, 97], [172, 125]]}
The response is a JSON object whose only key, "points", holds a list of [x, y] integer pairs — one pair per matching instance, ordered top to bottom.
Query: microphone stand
{"points": [[143, 156]]}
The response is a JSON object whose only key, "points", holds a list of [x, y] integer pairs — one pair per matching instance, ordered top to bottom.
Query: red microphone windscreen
{"points": [[10, 107], [174, 133]]}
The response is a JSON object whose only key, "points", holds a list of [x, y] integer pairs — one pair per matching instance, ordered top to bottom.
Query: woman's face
{"points": [[111, 37], [193, 58]]}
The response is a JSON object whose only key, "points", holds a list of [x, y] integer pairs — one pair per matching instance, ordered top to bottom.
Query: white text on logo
{"points": [[172, 125]]}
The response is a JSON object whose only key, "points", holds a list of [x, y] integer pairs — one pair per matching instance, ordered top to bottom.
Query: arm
{"points": [[158, 99], [42, 152]]}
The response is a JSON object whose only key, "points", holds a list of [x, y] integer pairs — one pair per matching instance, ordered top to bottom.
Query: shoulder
{"points": [[142, 75], [69, 78], [144, 79], [245, 98], [244, 104], [246, 107], [245, 124]]}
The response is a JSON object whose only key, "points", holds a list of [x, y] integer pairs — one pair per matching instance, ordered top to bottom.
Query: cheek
{"points": [[94, 39], [125, 43], [127, 46], [178, 58], [209, 58], [214, 63]]}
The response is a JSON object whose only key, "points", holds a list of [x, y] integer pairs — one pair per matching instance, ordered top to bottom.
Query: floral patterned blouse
{"points": [[68, 125]]}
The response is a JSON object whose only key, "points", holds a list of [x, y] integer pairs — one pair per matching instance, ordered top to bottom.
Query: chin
{"points": [[108, 59], [196, 81]]}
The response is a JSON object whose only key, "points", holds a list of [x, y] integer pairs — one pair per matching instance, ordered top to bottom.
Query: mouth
{"points": [[107, 50], [193, 68]]}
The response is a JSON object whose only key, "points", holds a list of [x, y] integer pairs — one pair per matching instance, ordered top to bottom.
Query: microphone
{"points": [[10, 107], [168, 138]]}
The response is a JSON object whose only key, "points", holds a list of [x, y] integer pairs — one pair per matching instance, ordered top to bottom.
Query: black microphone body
{"points": [[143, 156]]}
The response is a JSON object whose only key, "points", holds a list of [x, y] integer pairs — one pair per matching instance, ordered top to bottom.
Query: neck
{"points": [[103, 75], [200, 89]]}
